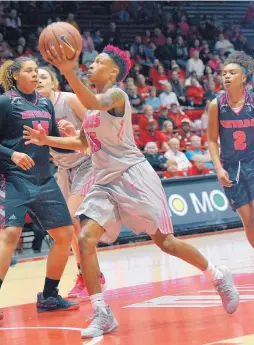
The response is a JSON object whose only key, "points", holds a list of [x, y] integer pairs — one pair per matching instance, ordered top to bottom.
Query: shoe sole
{"points": [[229, 276], [73, 295], [85, 298], [73, 307], [114, 326]]}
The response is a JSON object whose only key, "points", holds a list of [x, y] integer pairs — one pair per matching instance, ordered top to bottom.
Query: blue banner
{"points": [[196, 203]]}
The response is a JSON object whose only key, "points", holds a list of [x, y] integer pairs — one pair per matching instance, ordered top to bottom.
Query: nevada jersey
{"points": [[16, 110], [236, 128]]}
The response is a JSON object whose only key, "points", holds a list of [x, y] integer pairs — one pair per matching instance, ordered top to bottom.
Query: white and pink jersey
{"points": [[63, 111], [112, 143]]}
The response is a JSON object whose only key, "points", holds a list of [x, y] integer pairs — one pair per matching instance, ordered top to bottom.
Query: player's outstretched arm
{"points": [[113, 98], [213, 136], [39, 138]]}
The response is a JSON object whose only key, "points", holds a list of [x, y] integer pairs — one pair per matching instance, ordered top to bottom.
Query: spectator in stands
{"points": [[120, 9], [249, 15], [71, 20], [13, 21], [184, 26], [112, 36], [147, 38], [158, 38], [87, 39], [97, 40], [223, 43], [242, 44], [135, 46], [196, 47], [5, 51], [181, 52], [166, 53], [205, 53], [89, 55], [145, 56], [215, 63], [195, 64], [135, 71], [181, 71], [153, 72], [160, 78], [189, 80], [178, 87], [142, 88], [195, 93], [210, 94], [167, 97], [135, 100], [153, 100], [176, 115], [164, 116], [146, 117], [204, 117], [167, 133], [185, 134], [174, 153], [196, 153], [156, 159], [198, 168], [172, 170]]}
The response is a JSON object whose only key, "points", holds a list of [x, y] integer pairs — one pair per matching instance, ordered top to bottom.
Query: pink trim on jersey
{"points": [[57, 99], [237, 112], [121, 130], [88, 185], [166, 224]]}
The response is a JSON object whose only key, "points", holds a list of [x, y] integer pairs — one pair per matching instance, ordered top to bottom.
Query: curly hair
{"points": [[245, 61], [8, 69], [52, 76]]}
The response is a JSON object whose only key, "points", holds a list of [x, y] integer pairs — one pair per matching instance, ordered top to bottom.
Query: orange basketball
{"points": [[61, 33]]}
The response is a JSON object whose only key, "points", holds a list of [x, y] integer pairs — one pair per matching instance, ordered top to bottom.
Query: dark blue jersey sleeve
{"points": [[5, 112]]}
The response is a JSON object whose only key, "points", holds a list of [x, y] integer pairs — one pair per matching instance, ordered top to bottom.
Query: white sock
{"points": [[213, 272], [97, 300]]}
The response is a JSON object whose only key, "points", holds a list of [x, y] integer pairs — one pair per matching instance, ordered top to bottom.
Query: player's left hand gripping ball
{"points": [[59, 60]]}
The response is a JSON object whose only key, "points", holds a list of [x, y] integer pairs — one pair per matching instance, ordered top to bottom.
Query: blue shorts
{"points": [[242, 190], [44, 203]]}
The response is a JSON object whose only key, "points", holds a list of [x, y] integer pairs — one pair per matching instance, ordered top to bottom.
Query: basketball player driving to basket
{"points": [[127, 190]]}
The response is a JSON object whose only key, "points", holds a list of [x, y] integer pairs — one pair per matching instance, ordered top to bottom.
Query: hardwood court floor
{"points": [[156, 298]]}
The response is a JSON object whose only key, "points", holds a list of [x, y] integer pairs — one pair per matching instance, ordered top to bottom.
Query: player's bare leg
{"points": [[246, 213], [9, 238], [58, 256], [220, 276], [79, 290], [103, 321]]}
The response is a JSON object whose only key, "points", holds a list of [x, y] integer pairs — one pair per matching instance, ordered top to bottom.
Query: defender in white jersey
{"points": [[75, 174], [127, 190]]}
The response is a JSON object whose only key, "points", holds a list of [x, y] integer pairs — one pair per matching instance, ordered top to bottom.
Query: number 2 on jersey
{"points": [[44, 124], [240, 140]]}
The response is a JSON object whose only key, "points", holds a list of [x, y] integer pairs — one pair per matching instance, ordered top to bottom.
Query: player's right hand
{"points": [[33, 136], [22, 160], [224, 178]]}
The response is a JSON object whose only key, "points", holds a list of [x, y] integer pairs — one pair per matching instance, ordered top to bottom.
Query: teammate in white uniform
{"points": [[75, 175], [127, 190]]}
